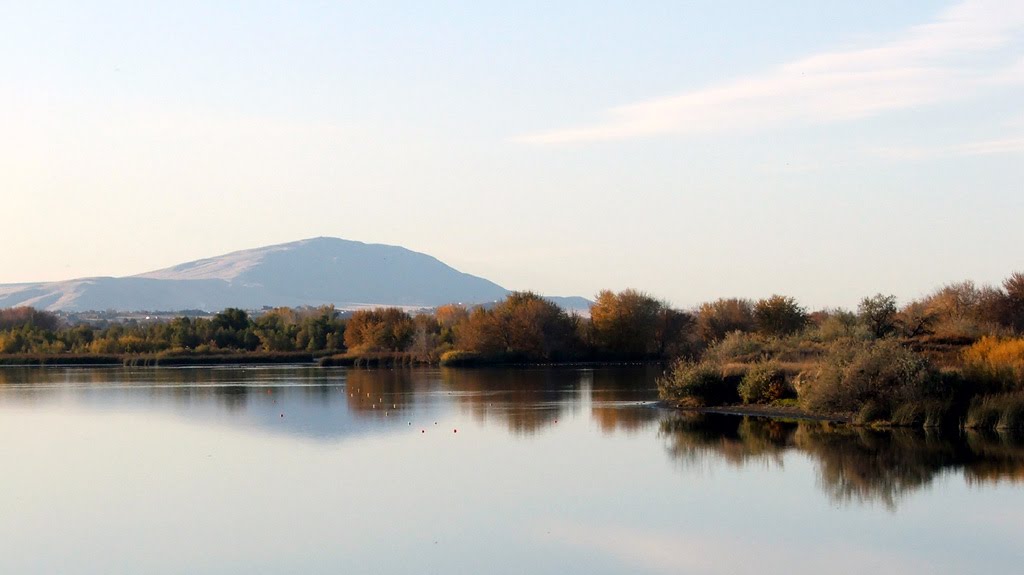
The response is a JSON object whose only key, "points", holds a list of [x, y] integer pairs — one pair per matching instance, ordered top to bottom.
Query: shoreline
{"points": [[284, 358], [767, 411]]}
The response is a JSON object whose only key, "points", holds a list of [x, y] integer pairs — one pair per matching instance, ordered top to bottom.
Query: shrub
{"points": [[831, 325], [958, 329], [736, 346], [457, 357], [996, 364], [872, 379], [763, 383], [696, 384]]}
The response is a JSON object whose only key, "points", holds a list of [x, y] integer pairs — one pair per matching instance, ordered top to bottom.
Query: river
{"points": [[290, 469]]}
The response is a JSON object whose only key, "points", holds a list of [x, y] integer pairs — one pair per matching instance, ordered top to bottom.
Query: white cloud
{"points": [[959, 53]]}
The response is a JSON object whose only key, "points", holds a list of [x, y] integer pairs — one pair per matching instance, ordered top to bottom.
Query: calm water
{"points": [[306, 470]]}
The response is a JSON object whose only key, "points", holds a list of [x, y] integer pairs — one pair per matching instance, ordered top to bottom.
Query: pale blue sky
{"points": [[826, 150]]}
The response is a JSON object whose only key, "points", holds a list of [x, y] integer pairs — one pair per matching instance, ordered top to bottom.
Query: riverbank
{"points": [[157, 360], [387, 360], [781, 412]]}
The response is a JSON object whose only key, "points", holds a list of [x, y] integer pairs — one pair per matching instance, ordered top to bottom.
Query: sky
{"points": [[825, 150]]}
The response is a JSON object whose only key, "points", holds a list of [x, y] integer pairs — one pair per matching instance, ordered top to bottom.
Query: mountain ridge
{"points": [[312, 271]]}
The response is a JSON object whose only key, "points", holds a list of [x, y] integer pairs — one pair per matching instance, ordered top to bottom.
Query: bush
{"points": [[837, 324], [736, 346], [458, 357], [995, 364], [872, 380], [763, 383], [696, 384]]}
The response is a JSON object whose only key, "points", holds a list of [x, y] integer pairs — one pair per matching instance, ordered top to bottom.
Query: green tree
{"points": [[878, 313], [231, 319]]}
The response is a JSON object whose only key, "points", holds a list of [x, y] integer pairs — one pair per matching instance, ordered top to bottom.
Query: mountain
{"points": [[311, 272]]}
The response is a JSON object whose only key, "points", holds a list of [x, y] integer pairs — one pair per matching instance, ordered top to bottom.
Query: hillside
{"points": [[312, 272]]}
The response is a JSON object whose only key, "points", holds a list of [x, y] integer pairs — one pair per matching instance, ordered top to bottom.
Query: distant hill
{"points": [[312, 272]]}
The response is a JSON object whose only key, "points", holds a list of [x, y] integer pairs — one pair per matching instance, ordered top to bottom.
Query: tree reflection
{"points": [[232, 387], [385, 392], [618, 399], [525, 400], [999, 457], [854, 464]]}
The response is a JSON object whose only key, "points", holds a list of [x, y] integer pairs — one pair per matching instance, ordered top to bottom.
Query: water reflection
{"points": [[381, 393], [305, 399], [525, 401], [619, 405], [853, 464], [301, 469]]}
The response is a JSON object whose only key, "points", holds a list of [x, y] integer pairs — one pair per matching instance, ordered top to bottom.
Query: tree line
{"points": [[628, 325]]}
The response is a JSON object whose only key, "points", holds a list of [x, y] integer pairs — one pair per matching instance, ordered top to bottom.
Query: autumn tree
{"points": [[1014, 288], [955, 301], [963, 309], [779, 315], [16, 317], [449, 318], [716, 319], [915, 319], [625, 323], [523, 324], [634, 324], [535, 327], [382, 329], [479, 332], [426, 340]]}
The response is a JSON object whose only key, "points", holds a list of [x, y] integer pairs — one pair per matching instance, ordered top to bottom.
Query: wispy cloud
{"points": [[966, 48]]}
